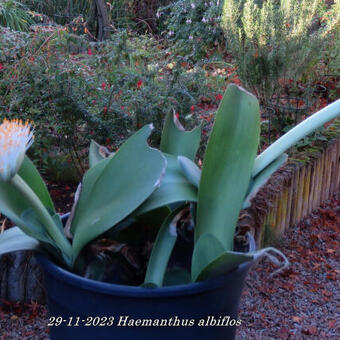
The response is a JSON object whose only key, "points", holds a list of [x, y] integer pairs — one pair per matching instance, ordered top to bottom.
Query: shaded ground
{"points": [[300, 303]]}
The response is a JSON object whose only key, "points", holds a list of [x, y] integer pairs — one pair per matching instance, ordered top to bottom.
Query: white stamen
{"points": [[15, 138]]}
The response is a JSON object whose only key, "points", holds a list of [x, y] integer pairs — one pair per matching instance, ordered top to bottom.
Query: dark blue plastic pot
{"points": [[105, 307]]}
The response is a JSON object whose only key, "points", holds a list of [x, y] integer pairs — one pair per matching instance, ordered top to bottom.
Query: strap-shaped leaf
{"points": [[178, 142], [227, 165], [190, 170], [29, 173], [262, 178], [115, 187], [174, 187], [14, 239], [162, 249]]}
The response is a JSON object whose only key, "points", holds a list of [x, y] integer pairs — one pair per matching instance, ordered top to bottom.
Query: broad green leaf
{"points": [[290, 138], [178, 142], [97, 153], [227, 165], [190, 170], [29, 173], [91, 177], [262, 178], [115, 187], [174, 187], [16, 198], [13, 205], [33, 227], [13, 239], [162, 249], [206, 249], [210, 259], [230, 260], [223, 264], [176, 276]]}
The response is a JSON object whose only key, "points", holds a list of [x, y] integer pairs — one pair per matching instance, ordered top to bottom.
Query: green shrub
{"points": [[193, 25], [271, 40], [107, 92]]}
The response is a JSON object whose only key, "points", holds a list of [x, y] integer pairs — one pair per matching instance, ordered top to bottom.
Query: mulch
{"points": [[299, 303]]}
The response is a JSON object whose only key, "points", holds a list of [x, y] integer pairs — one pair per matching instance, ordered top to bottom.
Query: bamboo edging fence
{"points": [[309, 178]]}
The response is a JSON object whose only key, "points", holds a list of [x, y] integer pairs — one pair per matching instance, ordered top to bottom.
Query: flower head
{"points": [[15, 138]]}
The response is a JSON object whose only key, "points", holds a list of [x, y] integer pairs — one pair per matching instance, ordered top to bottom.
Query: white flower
{"points": [[193, 6], [158, 14], [204, 20], [188, 21], [170, 33], [190, 37], [15, 138]]}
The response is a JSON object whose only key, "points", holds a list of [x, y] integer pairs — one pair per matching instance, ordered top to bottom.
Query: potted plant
{"points": [[194, 274]]}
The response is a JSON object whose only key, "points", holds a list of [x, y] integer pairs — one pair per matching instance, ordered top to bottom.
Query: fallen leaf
{"points": [[326, 293], [297, 318], [331, 323], [310, 330], [283, 333]]}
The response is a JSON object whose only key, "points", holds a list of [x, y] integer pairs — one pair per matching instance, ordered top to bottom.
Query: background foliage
{"points": [[272, 40], [162, 56]]}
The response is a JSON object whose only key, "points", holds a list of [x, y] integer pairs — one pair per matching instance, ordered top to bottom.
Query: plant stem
{"points": [[44, 217]]}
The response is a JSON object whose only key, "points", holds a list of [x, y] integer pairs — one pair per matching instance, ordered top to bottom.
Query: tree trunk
{"points": [[102, 20]]}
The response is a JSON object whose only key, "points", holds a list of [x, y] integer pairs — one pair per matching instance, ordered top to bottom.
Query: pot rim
{"points": [[136, 291]]}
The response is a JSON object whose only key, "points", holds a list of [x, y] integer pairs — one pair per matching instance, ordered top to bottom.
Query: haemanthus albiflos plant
{"points": [[138, 182]]}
